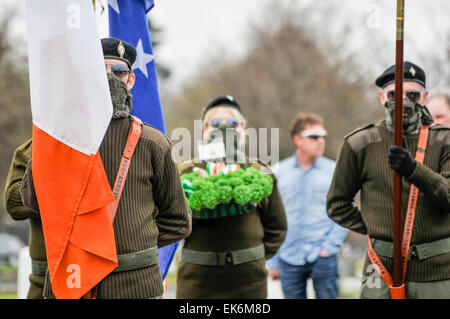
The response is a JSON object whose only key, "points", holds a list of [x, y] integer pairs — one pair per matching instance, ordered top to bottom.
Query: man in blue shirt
{"points": [[313, 239]]}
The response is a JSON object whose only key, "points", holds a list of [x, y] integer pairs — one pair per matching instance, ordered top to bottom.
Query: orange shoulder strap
{"points": [[133, 138], [130, 146], [412, 202], [399, 292]]}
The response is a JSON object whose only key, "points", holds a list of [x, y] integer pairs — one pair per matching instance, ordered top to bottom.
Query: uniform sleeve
{"points": [[435, 185], [344, 186], [28, 192], [12, 194], [174, 215], [274, 221]]}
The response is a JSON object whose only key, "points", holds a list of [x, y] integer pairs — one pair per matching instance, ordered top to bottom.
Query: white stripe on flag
{"points": [[70, 97]]}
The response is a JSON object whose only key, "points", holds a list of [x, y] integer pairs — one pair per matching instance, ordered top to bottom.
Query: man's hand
{"points": [[401, 160], [324, 253], [274, 273]]}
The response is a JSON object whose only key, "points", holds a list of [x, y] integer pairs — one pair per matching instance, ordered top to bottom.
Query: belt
{"points": [[419, 251], [229, 258], [137, 260], [133, 261], [38, 267]]}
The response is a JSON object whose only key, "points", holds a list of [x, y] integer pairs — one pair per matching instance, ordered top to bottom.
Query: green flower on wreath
{"points": [[242, 186]]}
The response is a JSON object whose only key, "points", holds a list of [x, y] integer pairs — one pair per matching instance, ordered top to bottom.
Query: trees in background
{"points": [[309, 58], [285, 72], [15, 119]]}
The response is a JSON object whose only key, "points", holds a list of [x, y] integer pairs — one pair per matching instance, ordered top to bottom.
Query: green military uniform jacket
{"points": [[362, 165], [153, 210], [18, 211], [265, 224]]}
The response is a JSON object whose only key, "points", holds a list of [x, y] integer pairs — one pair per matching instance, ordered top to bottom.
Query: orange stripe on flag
{"points": [[73, 194]]}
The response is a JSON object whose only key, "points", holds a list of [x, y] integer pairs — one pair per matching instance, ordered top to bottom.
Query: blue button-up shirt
{"points": [[304, 195]]}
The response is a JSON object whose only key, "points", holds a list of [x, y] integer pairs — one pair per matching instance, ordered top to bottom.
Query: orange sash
{"points": [[399, 292]]}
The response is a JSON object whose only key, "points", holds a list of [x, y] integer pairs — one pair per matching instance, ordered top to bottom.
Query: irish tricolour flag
{"points": [[71, 108]]}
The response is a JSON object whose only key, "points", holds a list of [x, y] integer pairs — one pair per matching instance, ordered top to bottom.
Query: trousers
{"points": [[324, 275]]}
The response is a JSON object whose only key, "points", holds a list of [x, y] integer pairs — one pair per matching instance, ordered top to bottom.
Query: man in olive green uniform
{"points": [[366, 162], [18, 211], [152, 211], [225, 255]]}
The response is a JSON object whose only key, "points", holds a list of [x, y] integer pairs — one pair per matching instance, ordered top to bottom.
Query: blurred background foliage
{"points": [[300, 59]]}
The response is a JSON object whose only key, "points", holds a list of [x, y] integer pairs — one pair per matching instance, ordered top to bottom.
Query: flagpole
{"points": [[398, 140]]}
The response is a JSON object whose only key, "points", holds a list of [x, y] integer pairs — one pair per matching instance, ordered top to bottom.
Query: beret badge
{"points": [[121, 49]]}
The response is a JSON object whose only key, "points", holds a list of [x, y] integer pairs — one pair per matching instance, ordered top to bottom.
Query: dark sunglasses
{"points": [[119, 70], [413, 96], [231, 121], [314, 135]]}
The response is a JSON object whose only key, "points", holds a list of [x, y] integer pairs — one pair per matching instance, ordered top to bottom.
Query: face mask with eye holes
{"points": [[414, 115]]}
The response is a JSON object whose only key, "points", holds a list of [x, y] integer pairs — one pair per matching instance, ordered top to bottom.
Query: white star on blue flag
{"points": [[113, 4], [142, 59]]}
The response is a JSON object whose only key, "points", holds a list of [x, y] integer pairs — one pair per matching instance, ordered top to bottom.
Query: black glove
{"points": [[401, 161]]}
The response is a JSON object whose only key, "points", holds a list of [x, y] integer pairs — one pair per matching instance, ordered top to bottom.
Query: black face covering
{"points": [[120, 96], [416, 114], [231, 140]]}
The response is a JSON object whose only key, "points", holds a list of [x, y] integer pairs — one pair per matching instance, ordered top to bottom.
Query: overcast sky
{"points": [[193, 29], [196, 29]]}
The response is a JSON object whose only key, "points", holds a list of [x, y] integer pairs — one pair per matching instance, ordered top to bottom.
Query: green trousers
{"points": [[36, 287], [373, 287]]}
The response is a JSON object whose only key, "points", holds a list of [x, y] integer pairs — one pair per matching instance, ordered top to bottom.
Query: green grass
{"points": [[7, 270], [8, 295]]}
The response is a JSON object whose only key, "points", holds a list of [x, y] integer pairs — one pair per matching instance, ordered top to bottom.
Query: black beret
{"points": [[117, 49], [411, 73], [222, 100]]}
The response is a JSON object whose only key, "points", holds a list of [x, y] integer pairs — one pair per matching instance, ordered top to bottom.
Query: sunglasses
{"points": [[119, 70], [413, 96], [231, 121], [313, 134]]}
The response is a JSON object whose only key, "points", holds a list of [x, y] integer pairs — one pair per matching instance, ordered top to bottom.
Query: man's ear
{"points": [[131, 81], [381, 96], [425, 97], [296, 140]]}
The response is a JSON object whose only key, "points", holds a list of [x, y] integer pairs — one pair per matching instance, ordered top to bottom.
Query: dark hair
{"points": [[302, 119]]}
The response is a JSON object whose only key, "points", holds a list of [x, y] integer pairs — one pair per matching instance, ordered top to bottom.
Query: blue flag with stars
{"points": [[128, 22]]}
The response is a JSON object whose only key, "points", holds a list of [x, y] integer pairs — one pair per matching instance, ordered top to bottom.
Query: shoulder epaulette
{"points": [[439, 127], [153, 129], [359, 129], [441, 134], [362, 137], [261, 166], [185, 167]]}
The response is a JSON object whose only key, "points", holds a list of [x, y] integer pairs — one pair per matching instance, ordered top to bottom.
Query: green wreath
{"points": [[241, 186]]}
